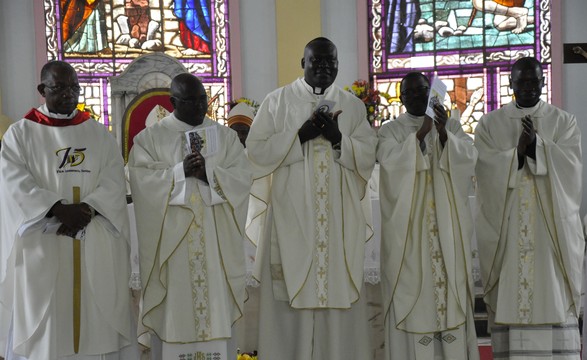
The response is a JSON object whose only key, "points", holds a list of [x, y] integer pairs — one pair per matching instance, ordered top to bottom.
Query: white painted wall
{"points": [[258, 48], [18, 68], [574, 82]]}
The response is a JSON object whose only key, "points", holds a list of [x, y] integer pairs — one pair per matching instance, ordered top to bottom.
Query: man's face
{"points": [[320, 64], [527, 83], [60, 90], [414, 95], [191, 103], [242, 131]]}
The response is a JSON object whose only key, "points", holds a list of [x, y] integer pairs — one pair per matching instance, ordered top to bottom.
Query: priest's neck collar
{"points": [[314, 89], [535, 106], [43, 108], [43, 116]]}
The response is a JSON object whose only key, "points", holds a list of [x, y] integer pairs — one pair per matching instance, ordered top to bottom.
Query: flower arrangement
{"points": [[372, 99], [252, 103], [246, 356]]}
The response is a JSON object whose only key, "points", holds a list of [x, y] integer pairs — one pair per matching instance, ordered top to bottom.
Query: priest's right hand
{"points": [[309, 130], [194, 165], [73, 217]]}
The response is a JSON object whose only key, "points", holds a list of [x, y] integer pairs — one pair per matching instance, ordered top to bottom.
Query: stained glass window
{"points": [[99, 38], [470, 45]]}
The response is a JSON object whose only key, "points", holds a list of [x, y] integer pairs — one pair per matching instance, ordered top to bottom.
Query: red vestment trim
{"points": [[38, 117]]}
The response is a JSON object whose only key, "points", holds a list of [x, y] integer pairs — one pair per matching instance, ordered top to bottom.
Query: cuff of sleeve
{"points": [[538, 166], [177, 196]]}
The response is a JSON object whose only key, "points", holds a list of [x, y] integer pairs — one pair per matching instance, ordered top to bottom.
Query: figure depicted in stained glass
{"points": [[508, 14], [402, 17], [194, 25], [83, 26], [138, 29]]}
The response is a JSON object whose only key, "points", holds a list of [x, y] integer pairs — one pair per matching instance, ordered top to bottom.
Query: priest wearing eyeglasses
{"points": [[190, 184], [64, 264]]}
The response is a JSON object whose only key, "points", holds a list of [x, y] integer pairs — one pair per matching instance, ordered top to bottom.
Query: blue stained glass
{"points": [[492, 33]]}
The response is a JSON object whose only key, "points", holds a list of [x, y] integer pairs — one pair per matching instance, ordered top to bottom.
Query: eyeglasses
{"points": [[528, 82], [63, 88], [421, 90], [193, 100]]}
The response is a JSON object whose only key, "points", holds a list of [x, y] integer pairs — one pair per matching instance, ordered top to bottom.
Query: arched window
{"points": [[99, 38], [470, 45]]}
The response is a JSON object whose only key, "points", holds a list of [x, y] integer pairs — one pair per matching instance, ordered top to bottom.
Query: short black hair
{"points": [[318, 40], [526, 63], [54, 64], [413, 75]]}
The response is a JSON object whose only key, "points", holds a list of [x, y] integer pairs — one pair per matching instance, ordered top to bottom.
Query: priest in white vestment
{"points": [[314, 140], [426, 170], [190, 183], [528, 227], [65, 253]]}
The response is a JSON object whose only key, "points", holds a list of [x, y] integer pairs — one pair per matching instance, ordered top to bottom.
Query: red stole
{"points": [[38, 117]]}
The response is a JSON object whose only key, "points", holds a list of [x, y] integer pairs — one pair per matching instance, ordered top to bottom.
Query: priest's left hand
{"points": [[440, 120], [328, 124], [528, 135], [194, 165]]}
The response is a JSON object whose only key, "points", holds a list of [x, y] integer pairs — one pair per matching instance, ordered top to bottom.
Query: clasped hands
{"points": [[440, 119], [321, 123], [528, 135], [194, 165], [73, 217]]}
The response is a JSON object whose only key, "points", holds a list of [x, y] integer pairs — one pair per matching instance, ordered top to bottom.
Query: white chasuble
{"points": [[39, 166], [528, 227], [190, 234], [425, 241], [311, 247]]}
